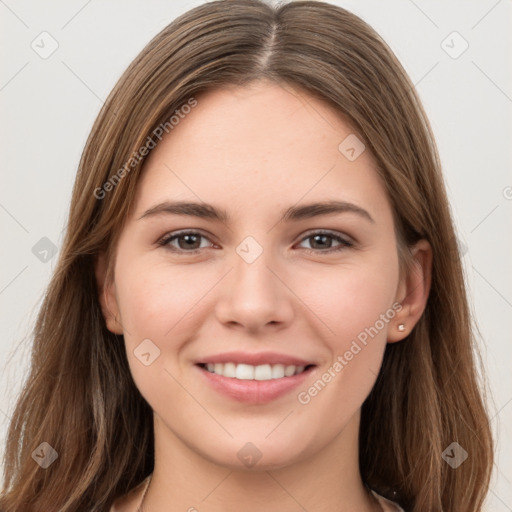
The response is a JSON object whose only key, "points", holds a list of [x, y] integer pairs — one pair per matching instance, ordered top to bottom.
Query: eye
{"points": [[323, 240], [189, 242]]}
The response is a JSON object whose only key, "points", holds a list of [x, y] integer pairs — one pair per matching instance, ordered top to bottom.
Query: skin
{"points": [[255, 151]]}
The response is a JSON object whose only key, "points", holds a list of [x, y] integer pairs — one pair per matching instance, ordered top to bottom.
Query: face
{"points": [[289, 305]]}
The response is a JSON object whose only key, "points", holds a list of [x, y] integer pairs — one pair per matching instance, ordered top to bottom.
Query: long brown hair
{"points": [[80, 397]]}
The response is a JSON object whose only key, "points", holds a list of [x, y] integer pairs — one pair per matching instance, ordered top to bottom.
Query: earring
{"points": [[401, 327]]}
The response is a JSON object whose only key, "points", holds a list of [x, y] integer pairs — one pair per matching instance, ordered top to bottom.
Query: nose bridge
{"points": [[252, 276], [254, 295]]}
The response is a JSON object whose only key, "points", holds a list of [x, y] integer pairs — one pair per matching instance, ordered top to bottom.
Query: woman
{"points": [[169, 376]]}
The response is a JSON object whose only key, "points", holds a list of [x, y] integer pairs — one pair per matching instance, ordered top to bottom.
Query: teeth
{"points": [[229, 370], [243, 371], [277, 371], [289, 371], [249, 372], [263, 372]]}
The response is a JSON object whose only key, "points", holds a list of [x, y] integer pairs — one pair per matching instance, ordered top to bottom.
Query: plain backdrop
{"points": [[49, 102]]}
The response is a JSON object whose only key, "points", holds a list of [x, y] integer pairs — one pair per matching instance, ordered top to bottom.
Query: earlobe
{"points": [[413, 292], [106, 296]]}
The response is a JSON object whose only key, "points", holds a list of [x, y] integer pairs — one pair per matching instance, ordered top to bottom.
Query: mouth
{"points": [[261, 372], [254, 384]]}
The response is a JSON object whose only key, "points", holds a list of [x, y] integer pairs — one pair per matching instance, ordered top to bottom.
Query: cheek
{"points": [[155, 298], [351, 299], [157, 303], [356, 306]]}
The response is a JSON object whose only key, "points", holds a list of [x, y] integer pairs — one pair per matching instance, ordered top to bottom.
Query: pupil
{"points": [[322, 237], [189, 239], [318, 239]]}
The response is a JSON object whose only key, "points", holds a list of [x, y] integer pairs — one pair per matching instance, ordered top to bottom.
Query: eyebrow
{"points": [[293, 213]]}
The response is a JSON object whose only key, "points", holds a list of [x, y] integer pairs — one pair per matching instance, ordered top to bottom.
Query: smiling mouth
{"points": [[260, 372]]}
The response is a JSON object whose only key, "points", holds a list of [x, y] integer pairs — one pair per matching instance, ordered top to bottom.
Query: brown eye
{"points": [[185, 241], [189, 242], [323, 242]]}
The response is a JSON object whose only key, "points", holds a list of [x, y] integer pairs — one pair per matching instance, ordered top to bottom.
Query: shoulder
{"points": [[387, 505]]}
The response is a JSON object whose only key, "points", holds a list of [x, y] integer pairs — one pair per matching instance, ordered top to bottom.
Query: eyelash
{"points": [[165, 242]]}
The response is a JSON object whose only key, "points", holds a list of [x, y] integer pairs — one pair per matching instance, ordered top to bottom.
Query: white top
{"points": [[387, 505]]}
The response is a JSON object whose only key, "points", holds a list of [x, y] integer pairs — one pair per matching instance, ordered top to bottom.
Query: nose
{"points": [[255, 295]]}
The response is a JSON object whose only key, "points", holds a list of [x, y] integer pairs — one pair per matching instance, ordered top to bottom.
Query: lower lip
{"points": [[254, 391]]}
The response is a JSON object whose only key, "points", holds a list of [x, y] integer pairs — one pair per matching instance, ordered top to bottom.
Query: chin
{"points": [[255, 453]]}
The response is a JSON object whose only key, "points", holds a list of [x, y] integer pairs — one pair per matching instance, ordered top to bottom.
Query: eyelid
{"points": [[330, 232], [165, 239], [345, 240]]}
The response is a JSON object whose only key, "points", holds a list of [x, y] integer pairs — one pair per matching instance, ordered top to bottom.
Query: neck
{"points": [[183, 480]]}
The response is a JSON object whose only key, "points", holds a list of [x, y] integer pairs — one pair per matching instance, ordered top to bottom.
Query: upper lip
{"points": [[254, 359]]}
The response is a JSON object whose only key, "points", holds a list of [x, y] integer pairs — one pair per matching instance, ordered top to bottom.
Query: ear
{"points": [[413, 292], [107, 296]]}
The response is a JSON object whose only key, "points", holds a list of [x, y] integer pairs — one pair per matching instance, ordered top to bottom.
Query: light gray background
{"points": [[48, 107]]}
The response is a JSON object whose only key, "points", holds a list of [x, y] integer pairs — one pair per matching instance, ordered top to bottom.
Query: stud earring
{"points": [[401, 327]]}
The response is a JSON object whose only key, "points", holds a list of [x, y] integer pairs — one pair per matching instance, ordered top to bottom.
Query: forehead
{"points": [[260, 146]]}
